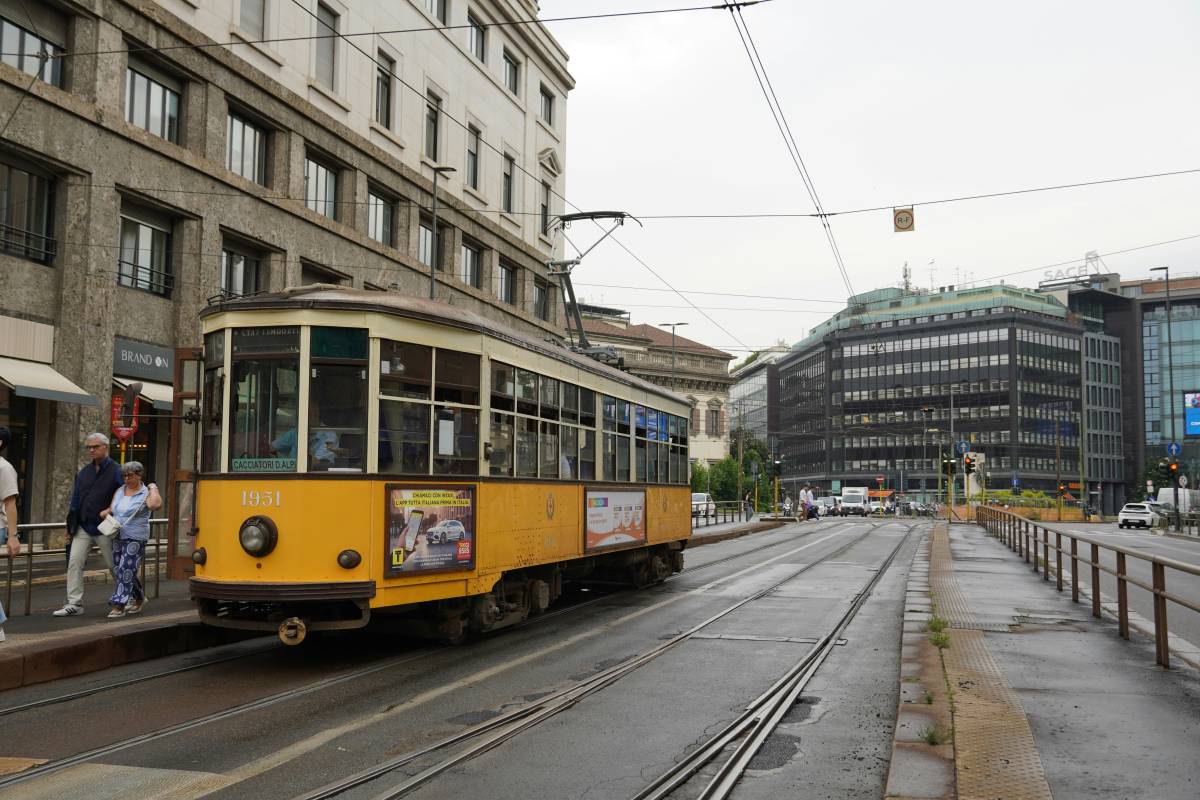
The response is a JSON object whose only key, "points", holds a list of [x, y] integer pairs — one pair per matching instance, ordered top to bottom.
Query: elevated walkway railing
{"points": [[719, 512], [34, 536], [1025, 537]]}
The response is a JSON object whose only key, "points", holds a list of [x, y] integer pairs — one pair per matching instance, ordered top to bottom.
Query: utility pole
{"points": [[435, 256], [672, 326], [740, 437], [954, 455], [1058, 458]]}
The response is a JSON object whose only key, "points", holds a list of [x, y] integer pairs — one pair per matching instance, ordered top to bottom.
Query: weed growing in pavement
{"points": [[937, 625], [940, 640], [927, 699], [934, 735]]}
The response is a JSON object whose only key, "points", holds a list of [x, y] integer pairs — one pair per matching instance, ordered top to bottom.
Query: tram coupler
{"points": [[292, 631]]}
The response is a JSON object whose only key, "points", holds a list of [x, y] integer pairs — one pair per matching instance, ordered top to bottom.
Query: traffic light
{"points": [[968, 465], [948, 466], [1174, 467], [1062, 489]]}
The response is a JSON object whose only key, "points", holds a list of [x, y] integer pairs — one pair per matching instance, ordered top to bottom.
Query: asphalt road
{"points": [[1181, 621], [836, 742]]}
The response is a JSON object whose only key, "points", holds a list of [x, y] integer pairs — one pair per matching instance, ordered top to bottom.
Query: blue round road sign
{"points": [[962, 446], [1173, 449]]}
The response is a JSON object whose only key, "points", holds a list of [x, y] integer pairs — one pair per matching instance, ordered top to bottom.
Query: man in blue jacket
{"points": [[95, 486]]}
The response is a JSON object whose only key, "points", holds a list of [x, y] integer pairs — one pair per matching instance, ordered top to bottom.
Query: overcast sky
{"points": [[890, 103]]}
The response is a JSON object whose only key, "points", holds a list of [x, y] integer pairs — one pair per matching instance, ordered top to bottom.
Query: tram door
{"points": [[186, 424]]}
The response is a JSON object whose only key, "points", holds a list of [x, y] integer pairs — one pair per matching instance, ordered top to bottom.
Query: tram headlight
{"points": [[258, 536], [200, 556], [349, 559]]}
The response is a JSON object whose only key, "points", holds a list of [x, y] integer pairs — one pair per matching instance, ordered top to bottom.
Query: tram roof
{"points": [[340, 298]]}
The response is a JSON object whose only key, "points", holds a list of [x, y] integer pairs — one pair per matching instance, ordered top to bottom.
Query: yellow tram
{"points": [[361, 452]]}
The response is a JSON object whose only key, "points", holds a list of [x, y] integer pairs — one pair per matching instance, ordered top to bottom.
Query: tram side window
{"points": [[405, 369], [457, 378], [266, 379], [503, 387], [214, 390], [527, 392], [548, 393], [337, 400], [570, 403], [587, 408], [403, 437], [609, 441], [456, 442], [527, 443], [549, 450], [587, 454], [501, 459], [568, 466]]}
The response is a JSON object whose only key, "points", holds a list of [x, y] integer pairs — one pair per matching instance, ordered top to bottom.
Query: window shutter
{"points": [[695, 420], [720, 423]]}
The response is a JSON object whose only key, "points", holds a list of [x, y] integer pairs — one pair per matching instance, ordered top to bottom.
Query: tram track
{"points": [[167, 673], [270, 700], [494, 732]]}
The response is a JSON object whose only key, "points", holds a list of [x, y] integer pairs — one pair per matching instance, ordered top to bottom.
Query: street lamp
{"points": [[433, 259], [672, 326], [1170, 404], [927, 413]]}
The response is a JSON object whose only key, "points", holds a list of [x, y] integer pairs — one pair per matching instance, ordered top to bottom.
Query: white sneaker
{"points": [[69, 610], [2, 636]]}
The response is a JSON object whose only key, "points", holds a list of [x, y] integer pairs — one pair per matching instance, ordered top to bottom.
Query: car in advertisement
{"points": [[450, 530]]}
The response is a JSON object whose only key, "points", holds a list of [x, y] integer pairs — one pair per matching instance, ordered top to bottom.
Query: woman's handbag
{"points": [[110, 526]]}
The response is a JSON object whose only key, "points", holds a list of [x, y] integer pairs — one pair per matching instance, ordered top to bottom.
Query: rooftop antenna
{"points": [[562, 269], [931, 269], [907, 279]]}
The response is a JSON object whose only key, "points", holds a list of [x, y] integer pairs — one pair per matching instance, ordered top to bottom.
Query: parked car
{"points": [[703, 505], [827, 507], [1138, 515], [450, 530]]}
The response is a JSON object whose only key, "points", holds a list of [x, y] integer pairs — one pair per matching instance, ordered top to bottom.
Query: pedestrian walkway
{"points": [[41, 647], [1048, 701]]}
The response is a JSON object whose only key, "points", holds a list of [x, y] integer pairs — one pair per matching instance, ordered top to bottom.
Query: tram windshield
{"points": [[266, 372]]}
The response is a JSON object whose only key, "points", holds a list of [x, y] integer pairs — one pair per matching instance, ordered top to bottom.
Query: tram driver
{"points": [[322, 442]]}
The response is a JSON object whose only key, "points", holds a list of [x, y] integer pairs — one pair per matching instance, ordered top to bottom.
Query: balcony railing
{"points": [[26, 244], [138, 276]]}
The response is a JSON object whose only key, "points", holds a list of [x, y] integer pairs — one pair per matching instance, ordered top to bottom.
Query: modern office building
{"points": [[155, 155], [696, 371], [754, 396], [866, 398], [1162, 413]]}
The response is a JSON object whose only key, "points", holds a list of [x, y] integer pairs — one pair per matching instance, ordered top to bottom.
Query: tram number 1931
{"points": [[252, 498]]}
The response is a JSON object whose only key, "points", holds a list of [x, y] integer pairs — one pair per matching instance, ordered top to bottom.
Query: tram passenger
{"points": [[322, 442]]}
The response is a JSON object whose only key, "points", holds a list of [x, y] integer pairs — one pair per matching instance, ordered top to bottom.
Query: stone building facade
{"points": [[161, 154], [696, 371]]}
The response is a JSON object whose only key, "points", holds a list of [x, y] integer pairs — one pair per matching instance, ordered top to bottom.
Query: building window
{"points": [[437, 9], [253, 18], [477, 38], [327, 41], [23, 50], [512, 73], [384, 75], [151, 105], [547, 106], [433, 119], [246, 149], [473, 156], [320, 187], [506, 196], [26, 203], [545, 208], [380, 213], [426, 245], [145, 256], [469, 269], [239, 273], [315, 273], [505, 284], [541, 300], [713, 427]]}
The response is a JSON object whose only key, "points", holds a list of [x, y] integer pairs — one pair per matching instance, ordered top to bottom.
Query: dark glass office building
{"points": [[868, 394]]}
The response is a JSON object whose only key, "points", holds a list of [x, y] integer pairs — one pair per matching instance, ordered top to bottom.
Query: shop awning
{"points": [[41, 381], [159, 395]]}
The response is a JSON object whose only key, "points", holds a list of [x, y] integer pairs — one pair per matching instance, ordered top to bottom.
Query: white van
{"points": [[854, 500]]}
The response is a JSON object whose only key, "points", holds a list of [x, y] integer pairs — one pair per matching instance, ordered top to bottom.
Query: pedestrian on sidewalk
{"points": [[94, 487], [131, 505], [8, 508]]}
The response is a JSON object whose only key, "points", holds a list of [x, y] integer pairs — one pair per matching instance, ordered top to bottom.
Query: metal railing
{"points": [[719, 512], [1024, 537], [28, 553]]}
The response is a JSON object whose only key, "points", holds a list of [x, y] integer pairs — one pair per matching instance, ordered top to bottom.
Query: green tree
{"points": [[1156, 471], [723, 475], [699, 477]]}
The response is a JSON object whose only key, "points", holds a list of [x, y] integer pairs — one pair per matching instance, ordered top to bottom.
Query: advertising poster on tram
{"points": [[615, 519], [429, 528]]}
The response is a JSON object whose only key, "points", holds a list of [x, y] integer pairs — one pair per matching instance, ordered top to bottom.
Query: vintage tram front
{"points": [[362, 453]]}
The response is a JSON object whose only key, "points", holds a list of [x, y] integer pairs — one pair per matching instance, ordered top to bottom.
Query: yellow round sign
{"points": [[902, 218]]}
